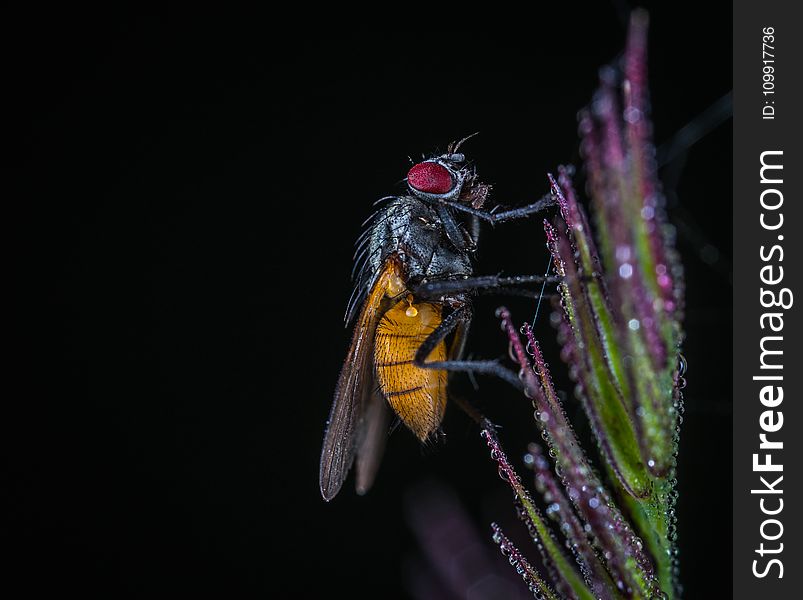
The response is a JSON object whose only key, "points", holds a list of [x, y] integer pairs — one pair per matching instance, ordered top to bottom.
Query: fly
{"points": [[411, 310]]}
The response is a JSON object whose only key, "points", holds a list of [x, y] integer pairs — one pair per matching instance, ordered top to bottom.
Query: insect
{"points": [[411, 310]]}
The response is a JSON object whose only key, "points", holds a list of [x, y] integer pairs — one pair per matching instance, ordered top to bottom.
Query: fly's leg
{"points": [[505, 215], [475, 230], [460, 238], [436, 289], [460, 316], [458, 346], [473, 412]]}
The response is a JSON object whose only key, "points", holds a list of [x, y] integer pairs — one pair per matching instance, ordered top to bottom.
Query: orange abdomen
{"points": [[417, 395]]}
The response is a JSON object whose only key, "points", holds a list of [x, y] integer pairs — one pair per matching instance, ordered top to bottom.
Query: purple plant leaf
{"points": [[618, 320], [540, 588]]}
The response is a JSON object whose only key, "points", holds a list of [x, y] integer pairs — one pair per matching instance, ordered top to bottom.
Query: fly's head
{"points": [[447, 178]]}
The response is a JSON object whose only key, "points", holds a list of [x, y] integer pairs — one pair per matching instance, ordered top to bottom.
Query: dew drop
{"points": [[632, 114], [626, 271], [682, 365]]}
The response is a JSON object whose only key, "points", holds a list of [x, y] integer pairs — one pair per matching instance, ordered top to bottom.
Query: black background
{"points": [[191, 188]]}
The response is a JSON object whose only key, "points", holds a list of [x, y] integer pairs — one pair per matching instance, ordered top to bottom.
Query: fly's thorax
{"points": [[411, 229]]}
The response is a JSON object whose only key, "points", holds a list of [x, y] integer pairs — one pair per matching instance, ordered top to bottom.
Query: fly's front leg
{"points": [[506, 215], [475, 230], [459, 237], [460, 316]]}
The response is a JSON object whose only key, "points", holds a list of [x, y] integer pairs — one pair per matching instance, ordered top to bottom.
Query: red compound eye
{"points": [[431, 178]]}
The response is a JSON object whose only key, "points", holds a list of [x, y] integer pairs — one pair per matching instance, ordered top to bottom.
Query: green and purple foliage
{"points": [[618, 320]]}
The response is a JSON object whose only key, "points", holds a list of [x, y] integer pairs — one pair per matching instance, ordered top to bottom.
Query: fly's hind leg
{"points": [[459, 319]]}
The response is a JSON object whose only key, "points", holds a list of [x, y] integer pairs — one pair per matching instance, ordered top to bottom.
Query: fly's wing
{"points": [[353, 388], [346, 414], [371, 446]]}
